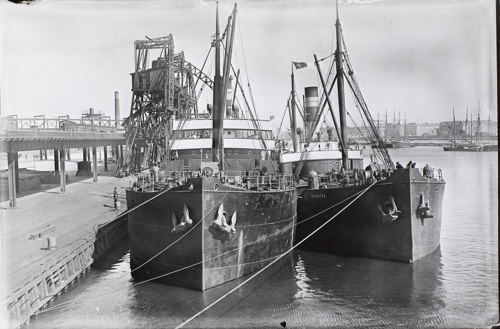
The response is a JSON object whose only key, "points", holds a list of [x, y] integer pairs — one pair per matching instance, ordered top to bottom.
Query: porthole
{"points": [[194, 152], [228, 152], [235, 152], [249, 152], [330, 162], [315, 163], [323, 163]]}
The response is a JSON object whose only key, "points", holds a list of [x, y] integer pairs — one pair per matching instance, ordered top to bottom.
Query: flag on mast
{"points": [[299, 65]]}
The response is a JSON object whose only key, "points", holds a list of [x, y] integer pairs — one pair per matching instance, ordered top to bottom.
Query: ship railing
{"points": [[435, 174], [337, 180], [144, 181], [147, 181], [268, 182]]}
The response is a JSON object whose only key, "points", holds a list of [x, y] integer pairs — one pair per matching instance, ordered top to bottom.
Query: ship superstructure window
{"points": [[228, 133]]}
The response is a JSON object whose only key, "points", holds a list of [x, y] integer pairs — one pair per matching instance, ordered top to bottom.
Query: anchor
{"points": [[392, 210], [423, 210], [185, 222], [221, 223]]}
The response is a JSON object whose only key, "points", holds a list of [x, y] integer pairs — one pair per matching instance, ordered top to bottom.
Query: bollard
{"points": [[51, 243]]}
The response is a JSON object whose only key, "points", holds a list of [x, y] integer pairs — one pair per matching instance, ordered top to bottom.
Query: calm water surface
{"points": [[456, 286]]}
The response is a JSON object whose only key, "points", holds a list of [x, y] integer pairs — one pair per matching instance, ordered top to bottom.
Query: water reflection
{"points": [[456, 286], [369, 291]]}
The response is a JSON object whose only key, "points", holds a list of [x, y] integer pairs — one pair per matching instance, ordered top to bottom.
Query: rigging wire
{"points": [[287, 108], [357, 194], [273, 262]]}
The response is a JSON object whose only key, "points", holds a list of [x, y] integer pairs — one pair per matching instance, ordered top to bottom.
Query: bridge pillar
{"points": [[84, 154], [121, 156], [105, 158], [56, 160], [94, 162], [16, 164], [63, 170], [12, 173]]}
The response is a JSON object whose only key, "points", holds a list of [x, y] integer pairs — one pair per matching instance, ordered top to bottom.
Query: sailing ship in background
{"points": [[397, 142], [469, 145], [214, 208], [396, 213]]}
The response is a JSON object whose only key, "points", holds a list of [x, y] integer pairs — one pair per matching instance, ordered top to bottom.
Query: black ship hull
{"points": [[367, 228], [208, 256]]}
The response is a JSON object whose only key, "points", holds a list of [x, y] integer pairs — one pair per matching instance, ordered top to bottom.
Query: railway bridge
{"points": [[88, 133]]}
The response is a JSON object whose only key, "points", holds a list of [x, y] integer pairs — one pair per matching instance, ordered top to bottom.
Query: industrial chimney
{"points": [[117, 109]]}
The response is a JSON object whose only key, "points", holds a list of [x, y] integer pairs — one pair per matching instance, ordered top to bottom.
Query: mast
{"points": [[221, 84], [340, 88], [330, 107], [218, 113], [293, 117], [489, 122], [393, 123], [466, 124], [399, 125], [478, 128], [404, 129], [385, 130], [471, 134], [454, 136]]}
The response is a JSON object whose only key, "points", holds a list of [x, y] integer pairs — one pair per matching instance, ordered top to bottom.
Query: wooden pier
{"points": [[51, 238]]}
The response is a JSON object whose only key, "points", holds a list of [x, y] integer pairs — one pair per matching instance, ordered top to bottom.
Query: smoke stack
{"points": [[311, 106], [117, 108]]}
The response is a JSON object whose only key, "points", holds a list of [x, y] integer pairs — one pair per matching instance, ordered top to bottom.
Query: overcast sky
{"points": [[420, 57]]}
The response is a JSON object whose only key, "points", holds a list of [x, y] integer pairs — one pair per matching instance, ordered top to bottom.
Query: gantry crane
{"points": [[162, 89]]}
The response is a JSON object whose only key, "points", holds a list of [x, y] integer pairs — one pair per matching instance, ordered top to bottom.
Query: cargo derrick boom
{"points": [[162, 88]]}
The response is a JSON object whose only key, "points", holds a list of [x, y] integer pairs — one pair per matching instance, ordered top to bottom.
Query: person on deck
{"points": [[399, 166], [155, 171], [427, 171], [115, 199]]}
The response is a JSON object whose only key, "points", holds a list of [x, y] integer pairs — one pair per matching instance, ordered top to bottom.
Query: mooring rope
{"points": [[357, 195], [248, 244], [273, 262]]}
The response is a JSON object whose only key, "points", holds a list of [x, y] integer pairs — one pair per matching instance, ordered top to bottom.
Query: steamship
{"points": [[348, 204], [215, 208]]}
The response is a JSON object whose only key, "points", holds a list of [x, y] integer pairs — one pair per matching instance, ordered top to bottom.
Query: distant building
{"points": [[482, 128], [411, 129], [427, 129], [446, 129]]}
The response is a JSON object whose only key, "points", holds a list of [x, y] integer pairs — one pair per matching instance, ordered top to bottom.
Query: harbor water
{"points": [[456, 286]]}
